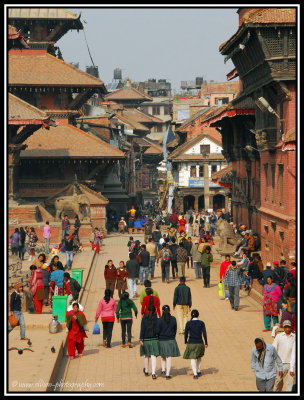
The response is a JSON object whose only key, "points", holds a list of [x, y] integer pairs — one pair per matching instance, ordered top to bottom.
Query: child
{"points": [[131, 244], [110, 274], [122, 275]]}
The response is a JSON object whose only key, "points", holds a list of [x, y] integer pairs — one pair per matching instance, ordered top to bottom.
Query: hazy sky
{"points": [[175, 44]]}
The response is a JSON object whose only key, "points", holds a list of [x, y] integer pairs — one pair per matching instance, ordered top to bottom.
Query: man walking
{"points": [[65, 225], [47, 236], [156, 236], [68, 245], [173, 247], [152, 249], [166, 256], [181, 258], [207, 258], [197, 260], [144, 264], [133, 267], [223, 268], [233, 279], [182, 301], [15, 309], [283, 343], [263, 357]]}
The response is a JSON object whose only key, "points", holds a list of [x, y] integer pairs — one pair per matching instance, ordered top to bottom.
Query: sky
{"points": [[177, 44]]}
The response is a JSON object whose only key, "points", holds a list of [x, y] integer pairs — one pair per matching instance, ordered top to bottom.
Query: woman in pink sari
{"points": [[272, 294]]}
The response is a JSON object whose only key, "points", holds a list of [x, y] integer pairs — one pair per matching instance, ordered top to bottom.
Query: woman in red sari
{"points": [[37, 288], [76, 322]]}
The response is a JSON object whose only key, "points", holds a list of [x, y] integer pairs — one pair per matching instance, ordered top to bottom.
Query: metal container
{"points": [[54, 326]]}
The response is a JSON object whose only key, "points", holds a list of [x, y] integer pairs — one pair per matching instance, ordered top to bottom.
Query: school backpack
{"points": [[166, 256]]}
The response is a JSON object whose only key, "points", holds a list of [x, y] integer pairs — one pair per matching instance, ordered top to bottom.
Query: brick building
{"points": [[258, 127]]}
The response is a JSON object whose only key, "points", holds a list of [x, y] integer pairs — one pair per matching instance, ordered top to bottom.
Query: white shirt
{"points": [[161, 241], [283, 344], [293, 358]]}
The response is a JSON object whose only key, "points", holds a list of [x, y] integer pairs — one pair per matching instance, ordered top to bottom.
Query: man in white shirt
{"points": [[283, 343]]}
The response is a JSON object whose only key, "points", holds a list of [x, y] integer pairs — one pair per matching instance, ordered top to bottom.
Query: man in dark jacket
{"points": [[156, 236], [68, 244], [173, 247], [181, 258], [144, 263], [133, 267], [267, 272], [279, 274], [72, 288], [182, 301], [16, 310]]}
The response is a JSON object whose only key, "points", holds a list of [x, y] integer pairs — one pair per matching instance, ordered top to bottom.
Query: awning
{"points": [[228, 114]]}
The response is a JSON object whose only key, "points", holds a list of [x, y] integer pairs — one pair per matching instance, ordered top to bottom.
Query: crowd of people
{"points": [[186, 244]]}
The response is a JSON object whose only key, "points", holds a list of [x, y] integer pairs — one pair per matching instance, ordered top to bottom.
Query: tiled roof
{"points": [[36, 13], [264, 16], [47, 70], [127, 94], [21, 110], [136, 119], [67, 141], [177, 153], [197, 157], [219, 174]]}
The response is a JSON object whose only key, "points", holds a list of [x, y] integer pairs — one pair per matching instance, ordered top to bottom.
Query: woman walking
{"points": [[15, 237], [33, 239], [96, 240], [110, 275], [122, 276], [56, 284], [37, 288], [272, 294], [150, 300], [107, 308], [124, 316], [75, 321], [166, 330], [148, 340], [195, 344]]}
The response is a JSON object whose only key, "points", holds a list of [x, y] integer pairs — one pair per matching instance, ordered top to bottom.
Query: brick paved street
{"points": [[225, 366]]}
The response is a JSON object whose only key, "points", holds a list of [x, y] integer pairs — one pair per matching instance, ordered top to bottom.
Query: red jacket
{"points": [[174, 218], [223, 269], [110, 273], [122, 274], [145, 305]]}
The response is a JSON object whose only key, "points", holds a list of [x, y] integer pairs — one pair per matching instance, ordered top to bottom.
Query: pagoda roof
{"points": [[42, 13], [46, 70], [127, 94], [23, 113], [67, 141]]}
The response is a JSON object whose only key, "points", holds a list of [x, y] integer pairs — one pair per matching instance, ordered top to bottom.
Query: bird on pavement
{"points": [[29, 342], [53, 350], [20, 351]]}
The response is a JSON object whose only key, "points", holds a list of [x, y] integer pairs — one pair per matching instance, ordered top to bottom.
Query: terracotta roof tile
{"points": [[47, 70], [127, 94], [21, 110], [136, 118], [289, 136], [69, 142], [219, 174]]}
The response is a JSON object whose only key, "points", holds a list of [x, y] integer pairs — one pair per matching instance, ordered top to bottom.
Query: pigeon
{"points": [[29, 342], [53, 350], [20, 351]]}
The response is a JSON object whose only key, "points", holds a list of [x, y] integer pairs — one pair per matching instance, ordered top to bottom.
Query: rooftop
{"points": [[37, 13], [28, 69], [127, 94], [21, 111], [67, 141]]}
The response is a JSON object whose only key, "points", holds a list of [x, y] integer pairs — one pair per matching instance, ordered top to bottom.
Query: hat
{"points": [[276, 262], [268, 264], [18, 285], [286, 323]]}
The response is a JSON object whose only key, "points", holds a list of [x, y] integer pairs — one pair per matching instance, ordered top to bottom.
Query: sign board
{"points": [[199, 182]]}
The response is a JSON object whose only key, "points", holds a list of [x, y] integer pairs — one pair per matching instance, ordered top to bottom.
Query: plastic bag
{"points": [[221, 289], [96, 329]]}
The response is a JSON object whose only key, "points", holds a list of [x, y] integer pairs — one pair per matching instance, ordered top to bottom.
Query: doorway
{"points": [[218, 202]]}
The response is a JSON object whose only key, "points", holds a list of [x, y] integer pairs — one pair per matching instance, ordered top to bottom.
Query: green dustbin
{"points": [[77, 274], [59, 307]]}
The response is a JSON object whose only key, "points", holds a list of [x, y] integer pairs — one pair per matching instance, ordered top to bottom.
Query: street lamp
{"points": [[205, 154]]}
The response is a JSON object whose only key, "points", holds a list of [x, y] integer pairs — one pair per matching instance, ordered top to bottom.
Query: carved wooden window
{"points": [[274, 40], [273, 168], [281, 172], [266, 182]]}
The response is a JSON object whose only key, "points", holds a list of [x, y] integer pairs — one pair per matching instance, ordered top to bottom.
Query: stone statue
{"points": [[262, 140], [76, 203], [228, 239]]}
